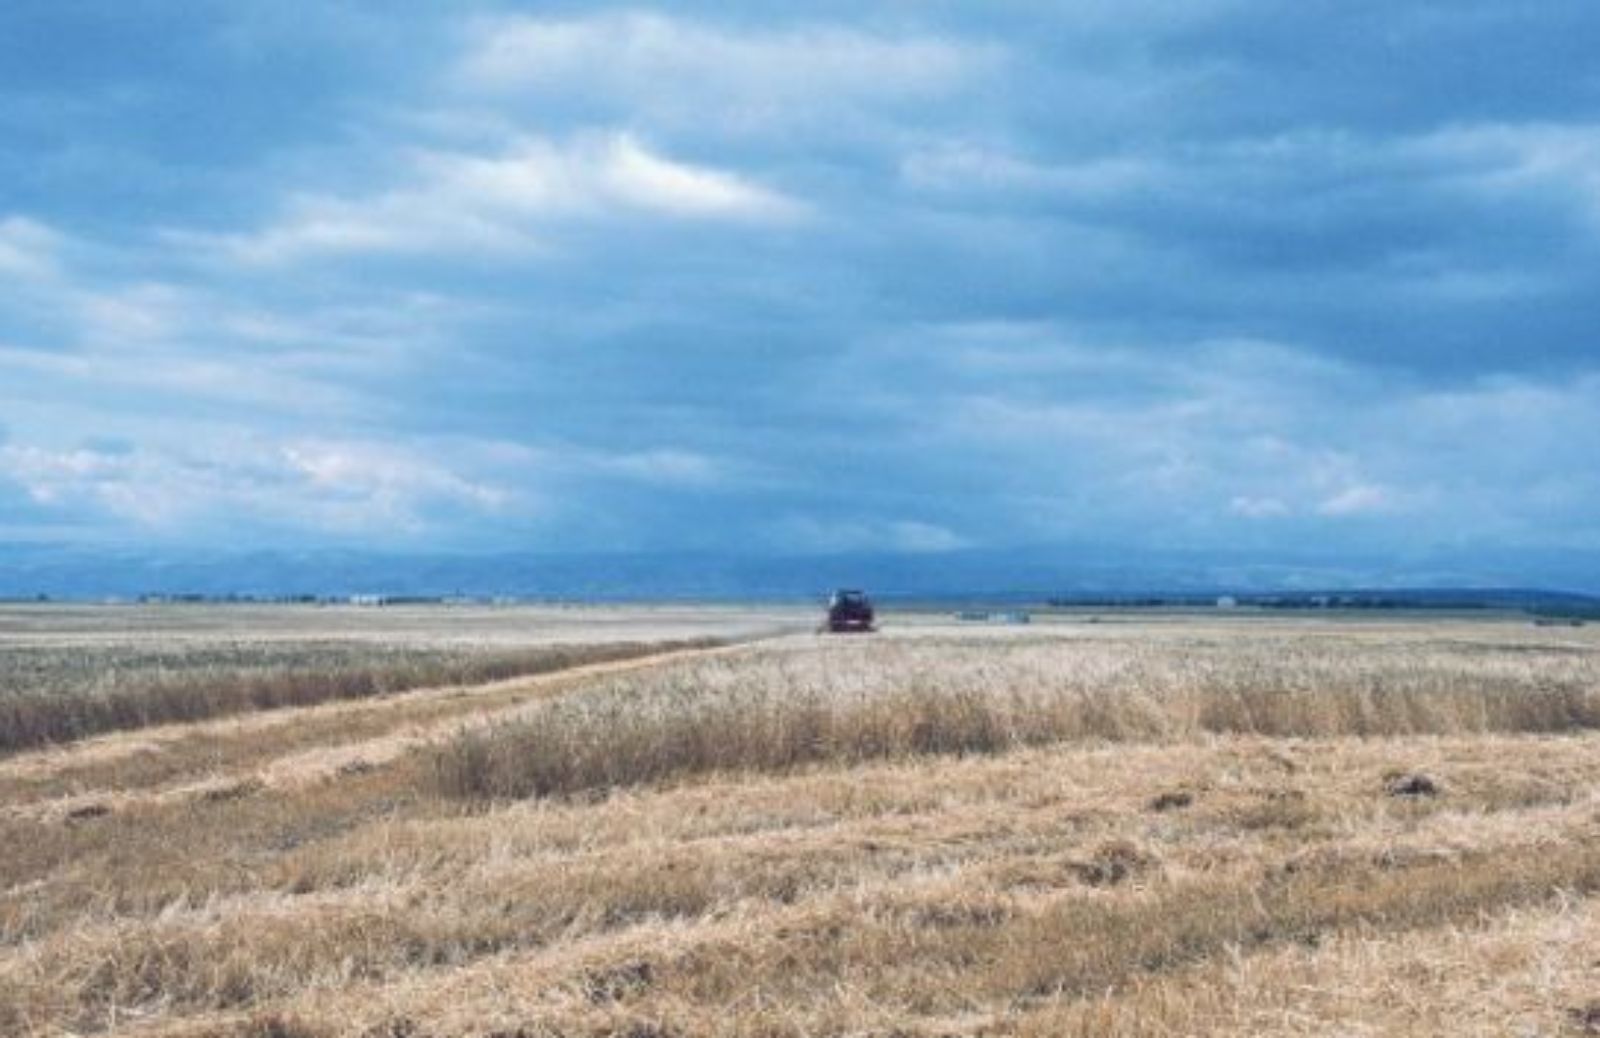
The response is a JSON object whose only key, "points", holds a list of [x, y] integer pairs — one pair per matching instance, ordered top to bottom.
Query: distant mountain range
{"points": [[1019, 574]]}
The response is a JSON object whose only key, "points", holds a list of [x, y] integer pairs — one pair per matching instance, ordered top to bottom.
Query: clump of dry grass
{"points": [[169, 688], [955, 698]]}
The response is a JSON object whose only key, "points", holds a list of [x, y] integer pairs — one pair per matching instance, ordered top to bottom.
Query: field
{"points": [[1151, 825]]}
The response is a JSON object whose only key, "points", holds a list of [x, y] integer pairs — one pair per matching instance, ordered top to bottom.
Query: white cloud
{"points": [[651, 61], [1502, 159], [966, 167], [636, 177], [1304, 178], [459, 201], [28, 249], [1447, 280], [147, 312], [139, 343], [141, 377], [1210, 439], [664, 466], [383, 474], [189, 478], [331, 486], [127, 487], [144, 488], [1361, 499], [1258, 507], [806, 534], [914, 536]]}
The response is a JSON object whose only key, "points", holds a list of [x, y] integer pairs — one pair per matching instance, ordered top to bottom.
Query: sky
{"points": [[911, 276]]}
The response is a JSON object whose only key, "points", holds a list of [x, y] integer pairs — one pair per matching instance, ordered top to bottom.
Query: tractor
{"points": [[849, 611]]}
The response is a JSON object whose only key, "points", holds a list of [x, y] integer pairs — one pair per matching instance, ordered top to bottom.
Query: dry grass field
{"points": [[1153, 826]]}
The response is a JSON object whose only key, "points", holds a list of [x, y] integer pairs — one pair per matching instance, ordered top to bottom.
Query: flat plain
{"points": [[715, 822]]}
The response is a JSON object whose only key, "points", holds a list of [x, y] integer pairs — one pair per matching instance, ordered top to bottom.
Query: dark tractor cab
{"points": [[849, 610]]}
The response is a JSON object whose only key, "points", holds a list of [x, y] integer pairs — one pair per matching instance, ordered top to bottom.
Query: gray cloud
{"points": [[1220, 274]]}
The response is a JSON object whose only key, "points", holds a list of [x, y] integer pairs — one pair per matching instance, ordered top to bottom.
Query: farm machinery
{"points": [[849, 611]]}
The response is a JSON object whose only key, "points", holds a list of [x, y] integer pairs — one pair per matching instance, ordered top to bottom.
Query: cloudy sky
{"points": [[913, 275]]}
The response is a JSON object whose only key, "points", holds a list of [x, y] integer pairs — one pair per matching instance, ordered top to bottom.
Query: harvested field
{"points": [[1151, 827]]}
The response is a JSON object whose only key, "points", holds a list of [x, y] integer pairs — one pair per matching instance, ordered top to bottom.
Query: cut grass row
{"points": [[898, 947]]}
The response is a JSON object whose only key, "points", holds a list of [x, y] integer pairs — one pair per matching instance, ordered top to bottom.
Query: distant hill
{"points": [[1021, 574], [1530, 600]]}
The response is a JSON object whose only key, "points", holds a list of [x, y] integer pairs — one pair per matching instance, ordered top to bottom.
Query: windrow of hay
{"points": [[849, 705], [33, 714], [896, 940], [927, 947]]}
